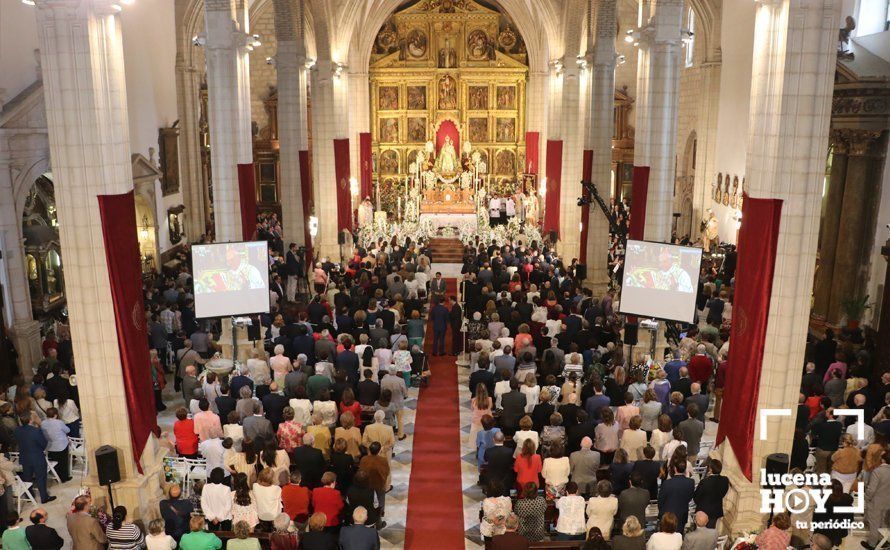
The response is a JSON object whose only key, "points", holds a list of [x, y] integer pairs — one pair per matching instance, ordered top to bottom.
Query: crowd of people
{"points": [[574, 439]]}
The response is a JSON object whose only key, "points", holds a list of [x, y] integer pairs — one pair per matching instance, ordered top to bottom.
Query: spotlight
{"points": [[28, 2], [629, 38], [199, 40]]}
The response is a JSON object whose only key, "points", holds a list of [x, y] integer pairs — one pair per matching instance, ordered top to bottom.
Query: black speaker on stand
{"points": [[553, 237], [581, 272], [776, 463], [107, 469]]}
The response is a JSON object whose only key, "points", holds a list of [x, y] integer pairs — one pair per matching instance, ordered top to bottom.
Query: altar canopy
{"points": [[445, 72]]}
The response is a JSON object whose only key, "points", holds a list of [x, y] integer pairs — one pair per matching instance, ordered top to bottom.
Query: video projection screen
{"points": [[231, 278], [660, 280]]}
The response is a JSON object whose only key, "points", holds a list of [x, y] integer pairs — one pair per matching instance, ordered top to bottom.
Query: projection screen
{"points": [[231, 278], [660, 280]]}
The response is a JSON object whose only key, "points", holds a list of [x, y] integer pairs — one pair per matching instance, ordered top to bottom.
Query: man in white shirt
{"points": [[213, 451]]}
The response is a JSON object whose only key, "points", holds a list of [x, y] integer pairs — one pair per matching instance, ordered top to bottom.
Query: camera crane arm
{"points": [[593, 194]]}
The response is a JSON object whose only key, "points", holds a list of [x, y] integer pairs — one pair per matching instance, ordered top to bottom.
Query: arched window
{"points": [[689, 39]]}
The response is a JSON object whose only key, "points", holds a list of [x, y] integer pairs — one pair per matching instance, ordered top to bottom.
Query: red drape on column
{"points": [[448, 128], [532, 152], [365, 160], [342, 174], [587, 174], [554, 184], [306, 189], [639, 193], [247, 194], [118, 215], [758, 238]]}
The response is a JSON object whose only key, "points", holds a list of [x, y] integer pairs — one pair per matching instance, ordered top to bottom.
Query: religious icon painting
{"points": [[416, 44], [479, 45], [447, 93], [506, 97], [388, 98], [416, 98], [478, 98], [416, 129], [389, 130], [478, 130], [506, 130], [389, 162], [506, 162], [726, 191], [718, 192]]}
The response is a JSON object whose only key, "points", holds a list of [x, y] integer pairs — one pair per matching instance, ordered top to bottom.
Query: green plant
{"points": [[855, 308]]}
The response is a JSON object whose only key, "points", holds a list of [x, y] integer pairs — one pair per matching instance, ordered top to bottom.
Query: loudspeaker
{"points": [[553, 236], [341, 238], [581, 272], [630, 334], [777, 463], [106, 464]]}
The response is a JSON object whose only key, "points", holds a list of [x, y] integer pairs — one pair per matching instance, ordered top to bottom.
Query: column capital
{"points": [[861, 143]]}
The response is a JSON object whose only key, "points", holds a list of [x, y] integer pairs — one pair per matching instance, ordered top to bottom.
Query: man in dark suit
{"points": [[294, 269], [276, 286], [437, 288], [439, 316], [456, 319], [303, 343], [348, 362], [482, 376], [810, 381], [683, 384], [368, 391], [700, 400], [225, 403], [513, 403], [274, 404], [257, 427], [584, 428], [692, 429], [32, 444], [309, 461], [499, 464], [649, 470], [675, 494], [709, 494], [633, 500], [40, 535], [358, 535], [510, 539]]}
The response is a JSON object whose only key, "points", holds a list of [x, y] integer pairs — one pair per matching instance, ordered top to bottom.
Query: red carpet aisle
{"points": [[435, 502]]}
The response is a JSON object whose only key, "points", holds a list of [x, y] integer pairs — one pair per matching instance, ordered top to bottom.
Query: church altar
{"points": [[447, 184], [438, 220]]}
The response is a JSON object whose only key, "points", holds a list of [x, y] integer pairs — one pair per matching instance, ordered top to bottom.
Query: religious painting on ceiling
{"points": [[457, 60], [389, 98], [416, 98], [478, 98], [416, 129]]}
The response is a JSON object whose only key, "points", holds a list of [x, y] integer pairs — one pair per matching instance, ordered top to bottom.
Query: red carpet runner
{"points": [[435, 500]]}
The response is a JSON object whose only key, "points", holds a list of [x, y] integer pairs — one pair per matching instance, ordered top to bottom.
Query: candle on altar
{"points": [[377, 193], [399, 210]]}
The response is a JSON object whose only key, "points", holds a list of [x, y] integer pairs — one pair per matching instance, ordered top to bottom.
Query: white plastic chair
{"points": [[77, 455], [196, 469], [51, 470], [22, 492], [885, 532], [721, 542]]}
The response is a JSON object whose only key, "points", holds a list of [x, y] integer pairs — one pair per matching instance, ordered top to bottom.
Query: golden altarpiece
{"points": [[448, 84]]}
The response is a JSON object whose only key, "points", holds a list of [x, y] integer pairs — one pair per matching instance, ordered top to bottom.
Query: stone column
{"points": [[290, 62], [658, 78], [188, 87], [791, 90], [228, 94], [537, 109], [86, 111], [324, 130], [572, 133], [599, 139], [706, 151], [831, 219], [855, 233], [25, 331], [883, 354]]}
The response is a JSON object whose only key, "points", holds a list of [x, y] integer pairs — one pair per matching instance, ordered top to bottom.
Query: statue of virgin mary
{"points": [[447, 161]]}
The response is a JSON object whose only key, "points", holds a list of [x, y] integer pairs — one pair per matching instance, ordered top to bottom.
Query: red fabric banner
{"points": [[448, 128], [532, 152], [365, 160], [342, 175], [587, 175], [554, 184], [306, 189], [639, 193], [247, 194], [118, 216], [758, 238]]}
